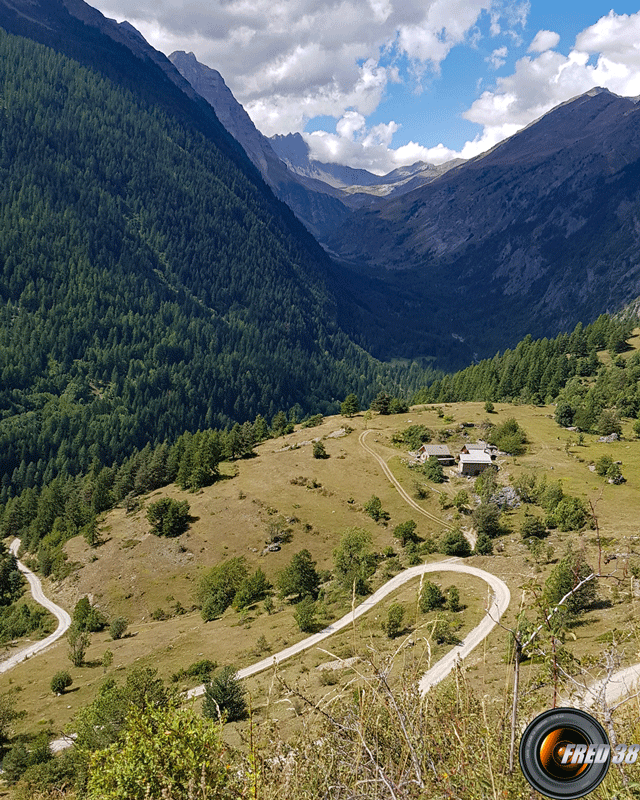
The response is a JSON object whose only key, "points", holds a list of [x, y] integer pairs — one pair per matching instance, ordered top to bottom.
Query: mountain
{"points": [[295, 152], [357, 186], [321, 195], [316, 204], [530, 237], [151, 283]]}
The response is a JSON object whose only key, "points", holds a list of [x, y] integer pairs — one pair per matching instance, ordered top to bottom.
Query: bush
{"points": [[312, 422], [608, 422], [413, 436], [509, 437], [319, 450], [607, 468], [432, 469], [486, 484], [461, 499], [373, 508], [569, 515], [168, 517], [486, 519], [532, 526], [406, 532], [454, 543], [484, 545], [354, 560], [300, 577], [564, 577], [219, 585], [252, 589], [430, 597], [453, 599], [305, 614], [392, 626], [118, 628], [444, 632], [78, 641], [60, 681], [225, 695], [181, 752]]}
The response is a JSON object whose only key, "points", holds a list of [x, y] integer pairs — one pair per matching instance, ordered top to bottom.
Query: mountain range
{"points": [[458, 261], [445, 264]]}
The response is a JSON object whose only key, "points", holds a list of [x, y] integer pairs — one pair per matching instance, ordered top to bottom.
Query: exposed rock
{"points": [[612, 437]]}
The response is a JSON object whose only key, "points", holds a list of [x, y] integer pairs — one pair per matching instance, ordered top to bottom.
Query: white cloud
{"points": [[544, 40], [605, 54], [498, 58], [287, 61]]}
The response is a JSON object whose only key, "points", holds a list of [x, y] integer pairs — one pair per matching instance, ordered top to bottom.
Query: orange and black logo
{"points": [[565, 753]]}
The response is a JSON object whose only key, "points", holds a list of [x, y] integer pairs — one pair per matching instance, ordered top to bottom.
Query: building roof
{"points": [[435, 449], [477, 457]]}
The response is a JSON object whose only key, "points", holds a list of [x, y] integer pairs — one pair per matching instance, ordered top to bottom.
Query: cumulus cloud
{"points": [[544, 40], [605, 54], [498, 58], [288, 61]]}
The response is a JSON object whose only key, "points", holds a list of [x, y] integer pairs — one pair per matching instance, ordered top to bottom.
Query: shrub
{"points": [[413, 436], [509, 437], [319, 450], [432, 469], [373, 508], [569, 515], [168, 517], [486, 519], [532, 526], [406, 532], [454, 543], [484, 545], [354, 560], [564, 577], [252, 589], [430, 597], [453, 599], [305, 614], [392, 626], [118, 628], [78, 641], [60, 681], [225, 695], [182, 751]]}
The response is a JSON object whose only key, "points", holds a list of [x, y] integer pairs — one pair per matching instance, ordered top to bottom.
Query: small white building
{"points": [[480, 447], [474, 463]]}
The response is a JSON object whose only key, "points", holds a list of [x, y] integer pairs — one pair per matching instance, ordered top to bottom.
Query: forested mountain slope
{"points": [[536, 234], [149, 283]]}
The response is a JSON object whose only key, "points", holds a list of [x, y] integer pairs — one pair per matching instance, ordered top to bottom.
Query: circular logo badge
{"points": [[564, 753]]}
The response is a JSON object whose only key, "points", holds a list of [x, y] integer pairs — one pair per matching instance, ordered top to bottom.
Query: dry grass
{"points": [[135, 573]]}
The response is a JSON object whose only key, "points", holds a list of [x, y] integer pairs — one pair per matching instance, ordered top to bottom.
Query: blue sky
{"points": [[379, 83]]}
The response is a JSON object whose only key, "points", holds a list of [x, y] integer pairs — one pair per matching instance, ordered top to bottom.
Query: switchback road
{"points": [[64, 620]]}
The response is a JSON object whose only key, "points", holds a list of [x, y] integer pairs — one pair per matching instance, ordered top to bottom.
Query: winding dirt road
{"points": [[64, 620], [439, 671]]}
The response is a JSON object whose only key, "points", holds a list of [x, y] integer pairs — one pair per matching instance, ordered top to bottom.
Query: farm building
{"points": [[480, 447], [440, 451], [474, 463]]}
